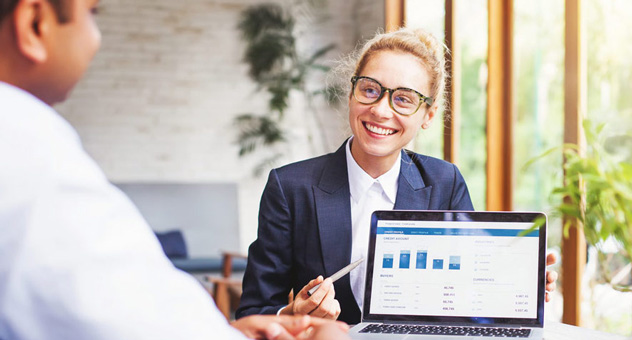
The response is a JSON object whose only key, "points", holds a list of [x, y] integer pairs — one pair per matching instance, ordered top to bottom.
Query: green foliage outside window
{"points": [[597, 192]]}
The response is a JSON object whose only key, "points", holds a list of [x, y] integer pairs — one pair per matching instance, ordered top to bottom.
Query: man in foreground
{"points": [[77, 261]]}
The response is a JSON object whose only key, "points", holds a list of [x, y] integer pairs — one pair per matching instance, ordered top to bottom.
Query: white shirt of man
{"points": [[368, 194], [77, 261]]}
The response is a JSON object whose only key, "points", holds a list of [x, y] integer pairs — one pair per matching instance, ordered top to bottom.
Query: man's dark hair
{"points": [[61, 7]]}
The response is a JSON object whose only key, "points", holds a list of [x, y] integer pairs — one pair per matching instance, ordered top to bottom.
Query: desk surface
{"points": [[560, 331]]}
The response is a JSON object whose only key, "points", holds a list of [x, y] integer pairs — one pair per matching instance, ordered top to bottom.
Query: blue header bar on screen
{"points": [[456, 232]]}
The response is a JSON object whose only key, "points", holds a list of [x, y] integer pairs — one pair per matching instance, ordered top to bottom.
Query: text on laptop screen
{"points": [[470, 269]]}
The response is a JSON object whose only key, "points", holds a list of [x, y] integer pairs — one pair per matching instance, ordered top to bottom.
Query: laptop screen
{"points": [[478, 267]]}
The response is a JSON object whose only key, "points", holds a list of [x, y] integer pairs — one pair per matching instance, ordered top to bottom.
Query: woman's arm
{"points": [[268, 278]]}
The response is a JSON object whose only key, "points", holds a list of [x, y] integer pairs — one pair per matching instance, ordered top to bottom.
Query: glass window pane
{"points": [[429, 15], [472, 19], [472, 36], [609, 59], [539, 100], [609, 100], [539, 111]]}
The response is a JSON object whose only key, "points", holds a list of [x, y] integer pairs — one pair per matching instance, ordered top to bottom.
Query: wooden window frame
{"points": [[499, 106], [500, 117], [573, 247]]}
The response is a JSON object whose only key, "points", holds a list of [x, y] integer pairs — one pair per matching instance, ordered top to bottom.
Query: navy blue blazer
{"points": [[305, 225]]}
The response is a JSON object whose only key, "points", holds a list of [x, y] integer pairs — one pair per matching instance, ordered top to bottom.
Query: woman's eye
{"points": [[371, 92], [403, 100]]}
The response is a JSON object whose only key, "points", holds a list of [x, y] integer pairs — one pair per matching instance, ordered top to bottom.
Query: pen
{"points": [[342, 272]]}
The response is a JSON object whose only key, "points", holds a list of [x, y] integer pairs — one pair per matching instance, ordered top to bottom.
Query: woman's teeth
{"points": [[379, 130]]}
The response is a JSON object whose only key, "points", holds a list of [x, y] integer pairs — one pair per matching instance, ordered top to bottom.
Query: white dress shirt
{"points": [[368, 194], [77, 261]]}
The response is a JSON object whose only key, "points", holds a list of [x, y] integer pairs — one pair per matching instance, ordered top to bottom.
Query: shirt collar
{"points": [[360, 181]]}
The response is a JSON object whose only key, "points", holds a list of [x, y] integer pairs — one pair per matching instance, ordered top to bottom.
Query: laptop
{"points": [[454, 275]]}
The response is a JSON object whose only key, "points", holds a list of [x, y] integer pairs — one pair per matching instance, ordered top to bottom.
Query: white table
{"points": [[560, 331]]}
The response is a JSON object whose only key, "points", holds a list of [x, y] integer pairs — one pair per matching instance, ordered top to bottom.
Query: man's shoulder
{"points": [[16, 101], [25, 118], [38, 147]]}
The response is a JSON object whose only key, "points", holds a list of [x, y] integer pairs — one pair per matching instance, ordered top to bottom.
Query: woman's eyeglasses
{"points": [[402, 100]]}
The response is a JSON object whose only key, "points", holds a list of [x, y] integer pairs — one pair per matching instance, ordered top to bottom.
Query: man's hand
{"points": [[551, 277], [321, 304], [286, 327]]}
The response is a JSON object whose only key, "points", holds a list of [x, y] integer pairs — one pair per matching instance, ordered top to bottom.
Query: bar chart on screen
{"points": [[421, 261], [441, 270]]}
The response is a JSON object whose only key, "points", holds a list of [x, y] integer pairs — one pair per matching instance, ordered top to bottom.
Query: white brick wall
{"points": [[158, 102]]}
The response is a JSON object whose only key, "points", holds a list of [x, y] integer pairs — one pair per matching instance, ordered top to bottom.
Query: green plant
{"points": [[278, 68], [597, 191]]}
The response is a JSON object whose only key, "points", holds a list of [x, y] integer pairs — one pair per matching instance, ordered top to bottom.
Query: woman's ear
{"points": [[32, 21], [430, 114]]}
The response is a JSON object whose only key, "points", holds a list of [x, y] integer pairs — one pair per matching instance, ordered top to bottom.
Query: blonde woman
{"points": [[315, 215]]}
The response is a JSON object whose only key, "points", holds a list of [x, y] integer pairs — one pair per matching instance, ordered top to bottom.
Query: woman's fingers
{"points": [[550, 259], [306, 304], [329, 307]]}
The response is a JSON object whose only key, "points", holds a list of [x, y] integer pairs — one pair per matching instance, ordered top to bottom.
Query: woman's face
{"points": [[379, 132]]}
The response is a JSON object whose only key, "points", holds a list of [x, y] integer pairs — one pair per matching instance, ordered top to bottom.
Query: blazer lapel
{"points": [[412, 192], [333, 211]]}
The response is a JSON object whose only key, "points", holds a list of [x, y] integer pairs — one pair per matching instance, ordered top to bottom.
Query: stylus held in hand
{"points": [[342, 272]]}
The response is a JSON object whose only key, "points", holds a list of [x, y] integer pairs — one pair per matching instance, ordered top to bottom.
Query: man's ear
{"points": [[32, 23]]}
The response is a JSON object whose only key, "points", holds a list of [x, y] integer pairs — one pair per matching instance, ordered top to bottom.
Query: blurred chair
{"points": [[173, 244], [226, 290]]}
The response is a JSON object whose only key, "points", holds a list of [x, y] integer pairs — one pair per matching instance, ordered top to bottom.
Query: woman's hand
{"points": [[551, 277], [321, 304]]}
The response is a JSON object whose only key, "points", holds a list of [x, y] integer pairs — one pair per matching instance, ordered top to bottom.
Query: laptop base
{"points": [[366, 330]]}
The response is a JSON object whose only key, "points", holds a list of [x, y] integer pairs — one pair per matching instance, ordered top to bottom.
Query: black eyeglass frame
{"points": [[423, 99]]}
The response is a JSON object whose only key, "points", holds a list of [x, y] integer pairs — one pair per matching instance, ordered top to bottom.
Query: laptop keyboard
{"points": [[446, 330]]}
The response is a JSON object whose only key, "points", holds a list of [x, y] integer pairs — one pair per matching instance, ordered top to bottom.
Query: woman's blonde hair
{"points": [[417, 42]]}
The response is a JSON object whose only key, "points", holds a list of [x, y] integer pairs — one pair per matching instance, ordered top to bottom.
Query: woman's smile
{"points": [[376, 129]]}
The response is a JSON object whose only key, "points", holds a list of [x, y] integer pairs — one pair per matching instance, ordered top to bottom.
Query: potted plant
{"points": [[278, 68], [597, 191]]}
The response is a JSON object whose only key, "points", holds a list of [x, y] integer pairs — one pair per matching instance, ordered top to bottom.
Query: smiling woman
{"points": [[380, 130], [314, 215]]}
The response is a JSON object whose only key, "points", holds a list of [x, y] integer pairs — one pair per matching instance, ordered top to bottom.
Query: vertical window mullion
{"points": [[499, 106], [574, 246]]}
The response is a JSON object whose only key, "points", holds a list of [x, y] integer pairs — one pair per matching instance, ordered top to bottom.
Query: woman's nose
{"points": [[382, 108]]}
